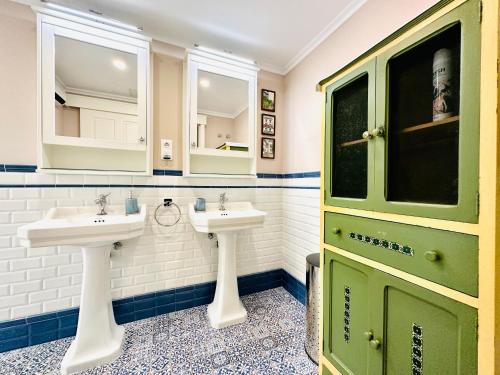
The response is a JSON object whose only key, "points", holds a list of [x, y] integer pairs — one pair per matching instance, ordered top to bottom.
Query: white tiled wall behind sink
{"points": [[47, 279]]}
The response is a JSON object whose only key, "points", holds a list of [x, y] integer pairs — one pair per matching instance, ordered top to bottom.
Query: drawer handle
{"points": [[336, 230], [432, 256], [375, 344]]}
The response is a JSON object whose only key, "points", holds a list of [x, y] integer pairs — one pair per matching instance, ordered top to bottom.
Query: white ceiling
{"points": [[275, 33], [89, 67], [225, 96]]}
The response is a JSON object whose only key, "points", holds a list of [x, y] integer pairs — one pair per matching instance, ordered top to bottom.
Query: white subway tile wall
{"points": [[301, 236], [47, 279]]}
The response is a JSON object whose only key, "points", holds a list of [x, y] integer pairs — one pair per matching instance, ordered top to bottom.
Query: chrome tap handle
{"points": [[102, 198], [222, 200], [101, 201]]}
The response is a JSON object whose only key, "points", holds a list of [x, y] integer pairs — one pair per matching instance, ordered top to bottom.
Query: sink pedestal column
{"points": [[226, 309], [98, 338]]}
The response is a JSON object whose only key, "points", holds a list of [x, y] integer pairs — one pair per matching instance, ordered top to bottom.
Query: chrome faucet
{"points": [[102, 201], [222, 201]]}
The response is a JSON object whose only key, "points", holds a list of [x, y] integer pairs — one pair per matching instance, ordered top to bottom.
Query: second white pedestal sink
{"points": [[226, 308], [98, 338]]}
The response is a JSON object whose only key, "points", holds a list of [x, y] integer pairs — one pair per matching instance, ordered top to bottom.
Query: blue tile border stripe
{"points": [[17, 168], [166, 172], [289, 175], [6, 186], [294, 287], [37, 329]]}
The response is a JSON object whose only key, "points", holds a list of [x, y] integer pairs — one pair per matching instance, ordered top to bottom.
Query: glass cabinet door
{"points": [[350, 114], [428, 116]]}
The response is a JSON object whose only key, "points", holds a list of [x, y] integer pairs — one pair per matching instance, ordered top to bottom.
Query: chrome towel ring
{"points": [[167, 203]]}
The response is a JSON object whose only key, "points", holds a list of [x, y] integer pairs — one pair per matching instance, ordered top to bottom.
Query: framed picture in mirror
{"points": [[268, 100], [268, 124], [268, 148]]}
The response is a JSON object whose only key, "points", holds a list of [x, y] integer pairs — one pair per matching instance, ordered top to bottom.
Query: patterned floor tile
{"points": [[270, 342]]}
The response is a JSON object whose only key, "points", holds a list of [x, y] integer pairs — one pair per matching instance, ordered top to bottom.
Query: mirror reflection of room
{"points": [[95, 92], [222, 112]]}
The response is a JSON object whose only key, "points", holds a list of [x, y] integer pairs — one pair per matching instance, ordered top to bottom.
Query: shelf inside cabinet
{"points": [[446, 121], [352, 143]]}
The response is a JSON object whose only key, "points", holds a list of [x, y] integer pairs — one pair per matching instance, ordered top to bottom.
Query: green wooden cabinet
{"points": [[419, 155], [436, 255], [394, 327], [325, 371]]}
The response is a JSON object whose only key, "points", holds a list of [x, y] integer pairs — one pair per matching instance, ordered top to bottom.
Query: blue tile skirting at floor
{"points": [[164, 172], [46, 327]]}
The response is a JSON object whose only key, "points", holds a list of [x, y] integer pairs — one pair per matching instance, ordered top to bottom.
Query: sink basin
{"points": [[237, 216], [81, 226], [226, 308], [98, 338]]}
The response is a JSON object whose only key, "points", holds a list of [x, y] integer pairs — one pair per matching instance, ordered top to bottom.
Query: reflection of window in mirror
{"points": [[95, 92], [222, 112]]}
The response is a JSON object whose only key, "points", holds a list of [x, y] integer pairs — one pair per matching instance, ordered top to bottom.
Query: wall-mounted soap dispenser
{"points": [[166, 149]]}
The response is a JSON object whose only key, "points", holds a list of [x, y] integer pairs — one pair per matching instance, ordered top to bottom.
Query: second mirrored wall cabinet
{"points": [[220, 115]]}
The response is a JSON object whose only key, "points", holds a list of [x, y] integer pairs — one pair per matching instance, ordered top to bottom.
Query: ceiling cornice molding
{"points": [[342, 17], [276, 69]]}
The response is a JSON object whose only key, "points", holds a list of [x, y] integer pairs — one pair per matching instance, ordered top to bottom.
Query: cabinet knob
{"points": [[378, 132], [367, 135], [141, 139], [336, 230], [432, 255], [368, 335], [375, 344]]}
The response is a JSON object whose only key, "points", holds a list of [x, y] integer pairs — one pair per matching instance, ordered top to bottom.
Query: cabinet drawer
{"points": [[446, 258]]}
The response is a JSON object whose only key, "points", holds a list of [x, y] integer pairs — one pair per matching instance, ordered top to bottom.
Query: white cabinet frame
{"points": [[51, 24], [197, 60]]}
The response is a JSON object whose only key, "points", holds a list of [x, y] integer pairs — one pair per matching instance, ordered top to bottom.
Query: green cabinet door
{"points": [[427, 95], [350, 114], [346, 313], [375, 323], [422, 332], [325, 371]]}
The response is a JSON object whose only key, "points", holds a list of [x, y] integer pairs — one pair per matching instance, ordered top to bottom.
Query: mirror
{"points": [[95, 92], [94, 99], [222, 112], [220, 118]]}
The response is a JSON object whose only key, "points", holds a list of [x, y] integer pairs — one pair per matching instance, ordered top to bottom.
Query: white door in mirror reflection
{"points": [[109, 126]]}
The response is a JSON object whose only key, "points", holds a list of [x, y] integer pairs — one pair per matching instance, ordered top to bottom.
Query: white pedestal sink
{"points": [[226, 308], [98, 338]]}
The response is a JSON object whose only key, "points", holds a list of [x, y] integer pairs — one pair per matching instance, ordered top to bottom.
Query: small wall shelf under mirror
{"points": [[94, 97], [220, 115]]}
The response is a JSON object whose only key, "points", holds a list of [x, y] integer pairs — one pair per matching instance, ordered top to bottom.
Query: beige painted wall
{"points": [[374, 21], [276, 83], [17, 84], [167, 109], [67, 121], [218, 126], [240, 132]]}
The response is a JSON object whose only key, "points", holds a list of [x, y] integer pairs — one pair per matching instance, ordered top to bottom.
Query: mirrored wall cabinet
{"points": [[94, 97], [220, 115]]}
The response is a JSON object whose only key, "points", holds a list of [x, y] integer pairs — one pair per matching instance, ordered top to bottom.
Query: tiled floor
{"points": [[271, 341]]}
